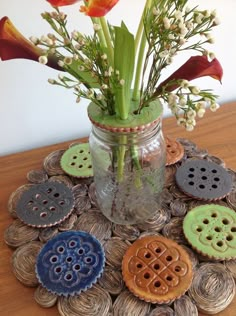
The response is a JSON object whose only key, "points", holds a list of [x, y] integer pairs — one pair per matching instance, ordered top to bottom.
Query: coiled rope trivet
{"points": [[213, 286]]}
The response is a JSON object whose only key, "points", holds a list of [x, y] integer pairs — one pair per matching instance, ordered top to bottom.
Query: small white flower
{"points": [[187, 9], [155, 11], [207, 13], [214, 13], [178, 14], [62, 15], [199, 18], [216, 21], [166, 22], [189, 25], [96, 27], [183, 30], [75, 35], [171, 36], [43, 38], [34, 39], [211, 40], [182, 41], [49, 42], [164, 53], [212, 55], [104, 56], [43, 60], [68, 60], [169, 60], [60, 63], [81, 67], [110, 71], [117, 72], [61, 77], [51, 81], [122, 82], [184, 84], [104, 86], [195, 90], [90, 93], [99, 96], [172, 99], [182, 101], [201, 105], [214, 107], [175, 110], [201, 112], [191, 114], [181, 121], [191, 121], [189, 127]]}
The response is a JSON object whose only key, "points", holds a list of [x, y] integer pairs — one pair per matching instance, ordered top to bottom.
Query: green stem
{"points": [[100, 32], [139, 32], [141, 51], [110, 53], [139, 67], [121, 104], [134, 154], [121, 157]]}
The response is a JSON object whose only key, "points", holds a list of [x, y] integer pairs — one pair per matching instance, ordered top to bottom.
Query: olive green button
{"points": [[76, 161], [211, 230]]}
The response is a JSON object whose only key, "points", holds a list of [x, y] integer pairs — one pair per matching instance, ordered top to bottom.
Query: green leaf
{"points": [[124, 59], [84, 76]]}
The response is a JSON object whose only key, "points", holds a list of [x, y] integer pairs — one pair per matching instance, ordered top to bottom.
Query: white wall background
{"points": [[33, 113]]}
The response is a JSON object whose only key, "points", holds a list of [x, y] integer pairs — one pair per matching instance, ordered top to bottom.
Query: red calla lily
{"points": [[61, 3], [14, 45], [195, 67]]}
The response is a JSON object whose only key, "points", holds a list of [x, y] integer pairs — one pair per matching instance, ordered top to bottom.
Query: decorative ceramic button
{"points": [[174, 151], [76, 161], [203, 180], [45, 204], [211, 230], [70, 263], [157, 269]]}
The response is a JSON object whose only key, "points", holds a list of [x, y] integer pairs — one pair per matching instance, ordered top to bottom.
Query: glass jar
{"points": [[128, 172]]}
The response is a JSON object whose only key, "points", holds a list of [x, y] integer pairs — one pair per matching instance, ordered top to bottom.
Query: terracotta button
{"points": [[174, 151], [157, 269]]}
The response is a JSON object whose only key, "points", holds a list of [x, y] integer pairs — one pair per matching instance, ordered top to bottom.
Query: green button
{"points": [[76, 161], [211, 230]]}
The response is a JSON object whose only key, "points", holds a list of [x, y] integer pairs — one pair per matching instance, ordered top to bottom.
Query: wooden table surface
{"points": [[215, 132]]}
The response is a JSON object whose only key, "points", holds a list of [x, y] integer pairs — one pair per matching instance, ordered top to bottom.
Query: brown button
{"points": [[174, 151], [157, 269]]}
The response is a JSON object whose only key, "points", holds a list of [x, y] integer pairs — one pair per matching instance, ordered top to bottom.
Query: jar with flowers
{"points": [[121, 74]]}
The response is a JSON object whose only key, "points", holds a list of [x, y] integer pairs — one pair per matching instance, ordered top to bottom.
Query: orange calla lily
{"points": [[94, 8], [98, 8], [14, 45], [195, 67]]}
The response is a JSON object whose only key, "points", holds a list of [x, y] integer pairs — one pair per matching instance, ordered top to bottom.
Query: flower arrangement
{"points": [[119, 72]]}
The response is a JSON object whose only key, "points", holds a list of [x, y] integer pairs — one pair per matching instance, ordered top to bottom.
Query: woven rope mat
{"points": [[110, 296]]}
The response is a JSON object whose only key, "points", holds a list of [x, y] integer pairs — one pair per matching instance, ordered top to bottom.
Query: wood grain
{"points": [[215, 132]]}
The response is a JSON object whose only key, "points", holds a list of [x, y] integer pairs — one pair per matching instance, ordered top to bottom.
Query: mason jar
{"points": [[128, 171]]}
